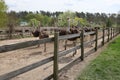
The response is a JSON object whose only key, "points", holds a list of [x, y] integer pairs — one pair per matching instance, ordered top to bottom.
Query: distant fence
{"points": [[23, 32], [108, 32], [4, 34]]}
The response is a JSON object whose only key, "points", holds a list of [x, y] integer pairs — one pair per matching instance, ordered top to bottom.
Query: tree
{"points": [[80, 15], [22, 16], [30, 16], [3, 17], [90, 17], [12, 18], [64, 18], [103, 18], [118, 19], [34, 22], [79, 22], [108, 23]]}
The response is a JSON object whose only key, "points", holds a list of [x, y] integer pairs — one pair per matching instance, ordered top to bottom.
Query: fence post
{"points": [[116, 30], [119, 30], [23, 31], [111, 33], [108, 34], [103, 37], [96, 39], [82, 45], [55, 67]]}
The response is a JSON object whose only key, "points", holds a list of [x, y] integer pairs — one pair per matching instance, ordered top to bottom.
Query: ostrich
{"points": [[71, 31], [41, 35], [91, 36]]}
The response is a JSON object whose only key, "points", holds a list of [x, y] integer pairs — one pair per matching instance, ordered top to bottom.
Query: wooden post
{"points": [[119, 30], [10, 31], [23, 31], [115, 31], [111, 33], [108, 34], [96, 40], [103, 42], [56, 45], [82, 45]]}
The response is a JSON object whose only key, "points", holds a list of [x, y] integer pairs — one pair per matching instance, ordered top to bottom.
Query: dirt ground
{"points": [[16, 59]]}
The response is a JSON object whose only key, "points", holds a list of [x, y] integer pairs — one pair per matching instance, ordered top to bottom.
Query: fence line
{"points": [[111, 33], [21, 45]]}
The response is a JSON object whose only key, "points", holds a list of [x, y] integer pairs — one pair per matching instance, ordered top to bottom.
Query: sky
{"points": [[92, 6]]}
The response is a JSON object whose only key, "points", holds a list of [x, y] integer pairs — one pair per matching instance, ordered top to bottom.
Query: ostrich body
{"points": [[41, 35]]}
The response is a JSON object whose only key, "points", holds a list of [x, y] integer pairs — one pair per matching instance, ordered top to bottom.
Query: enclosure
{"points": [[23, 57]]}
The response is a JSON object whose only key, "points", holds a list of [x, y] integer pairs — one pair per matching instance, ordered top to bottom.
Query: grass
{"points": [[106, 66]]}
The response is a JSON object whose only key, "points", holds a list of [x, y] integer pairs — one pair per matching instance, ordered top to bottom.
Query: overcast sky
{"points": [[93, 6]]}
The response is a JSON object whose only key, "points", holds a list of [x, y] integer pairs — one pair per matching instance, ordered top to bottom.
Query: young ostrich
{"points": [[71, 31], [41, 35]]}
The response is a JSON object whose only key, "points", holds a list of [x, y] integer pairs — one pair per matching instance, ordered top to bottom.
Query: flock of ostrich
{"points": [[72, 30]]}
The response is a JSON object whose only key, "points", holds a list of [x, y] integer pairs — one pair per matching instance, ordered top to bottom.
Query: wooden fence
{"points": [[19, 32], [110, 33], [4, 36]]}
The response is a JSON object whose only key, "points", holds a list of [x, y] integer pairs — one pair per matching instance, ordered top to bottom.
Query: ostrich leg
{"points": [[91, 38], [39, 39], [74, 43], [65, 44], [38, 45], [44, 47]]}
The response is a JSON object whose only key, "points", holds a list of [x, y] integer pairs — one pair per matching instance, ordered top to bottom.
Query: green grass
{"points": [[106, 66]]}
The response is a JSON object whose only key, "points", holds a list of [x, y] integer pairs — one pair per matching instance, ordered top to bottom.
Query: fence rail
{"points": [[109, 33], [21, 45], [25, 69]]}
